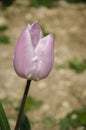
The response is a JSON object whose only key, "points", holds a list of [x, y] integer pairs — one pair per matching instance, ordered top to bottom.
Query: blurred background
{"points": [[59, 101]]}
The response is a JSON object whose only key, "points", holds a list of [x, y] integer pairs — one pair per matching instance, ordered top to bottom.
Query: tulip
{"points": [[34, 53]]}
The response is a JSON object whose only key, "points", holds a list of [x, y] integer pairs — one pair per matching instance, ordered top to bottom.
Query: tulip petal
{"points": [[36, 33], [23, 54], [34, 54], [45, 54]]}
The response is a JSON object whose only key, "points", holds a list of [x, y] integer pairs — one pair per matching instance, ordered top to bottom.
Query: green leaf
{"points": [[39, 3], [3, 27], [4, 39], [77, 65], [32, 103], [77, 118], [74, 119], [25, 124], [64, 124], [4, 125]]}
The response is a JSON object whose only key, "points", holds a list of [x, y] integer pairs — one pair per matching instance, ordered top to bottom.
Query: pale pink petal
{"points": [[36, 33], [23, 54], [45, 54], [34, 55]]}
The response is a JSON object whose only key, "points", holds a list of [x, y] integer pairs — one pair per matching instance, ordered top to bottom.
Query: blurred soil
{"points": [[64, 89]]}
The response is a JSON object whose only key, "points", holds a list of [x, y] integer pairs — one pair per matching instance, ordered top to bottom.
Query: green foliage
{"points": [[75, 1], [7, 2], [38, 3], [49, 3], [3, 27], [45, 32], [4, 39], [77, 65], [32, 103], [74, 119], [49, 122], [25, 124], [4, 125]]}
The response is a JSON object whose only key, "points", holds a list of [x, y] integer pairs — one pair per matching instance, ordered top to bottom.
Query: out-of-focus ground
{"points": [[64, 89]]}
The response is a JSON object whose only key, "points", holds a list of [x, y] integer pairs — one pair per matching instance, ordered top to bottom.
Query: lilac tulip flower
{"points": [[34, 53]]}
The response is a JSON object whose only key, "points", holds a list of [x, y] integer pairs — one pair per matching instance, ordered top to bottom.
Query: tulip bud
{"points": [[34, 54]]}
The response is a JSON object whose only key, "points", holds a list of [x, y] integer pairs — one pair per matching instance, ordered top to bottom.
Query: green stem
{"points": [[22, 105]]}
